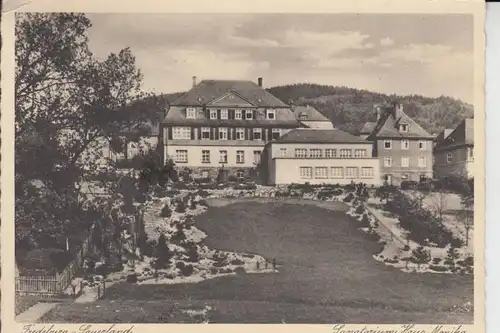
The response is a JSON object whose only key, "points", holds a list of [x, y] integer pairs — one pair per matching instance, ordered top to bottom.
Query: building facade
{"points": [[223, 126], [403, 147], [454, 153], [319, 157]]}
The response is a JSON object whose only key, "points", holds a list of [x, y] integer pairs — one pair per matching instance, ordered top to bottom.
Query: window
{"points": [[190, 113], [213, 114], [223, 114], [237, 114], [248, 114], [271, 114], [303, 116], [403, 127], [181, 133], [205, 133], [222, 133], [276, 133], [240, 134], [257, 134], [387, 144], [405, 144], [421, 144], [283, 152], [300, 152], [315, 153], [330, 153], [345, 153], [360, 153], [470, 154], [181, 156], [205, 156], [223, 156], [240, 156], [256, 156], [449, 157], [387, 161], [422, 161], [405, 162], [305, 172], [321, 172], [337, 172], [351, 172], [366, 172], [205, 174], [240, 174]]}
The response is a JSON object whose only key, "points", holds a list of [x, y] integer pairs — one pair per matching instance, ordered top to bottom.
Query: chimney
{"points": [[259, 80], [194, 81], [377, 109], [398, 109]]}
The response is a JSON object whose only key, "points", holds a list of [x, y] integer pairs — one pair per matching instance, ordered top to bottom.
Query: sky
{"points": [[429, 54]]}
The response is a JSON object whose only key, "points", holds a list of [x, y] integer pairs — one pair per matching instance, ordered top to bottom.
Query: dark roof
{"points": [[208, 90], [310, 113], [177, 116], [388, 126], [368, 128], [462, 135], [319, 136]]}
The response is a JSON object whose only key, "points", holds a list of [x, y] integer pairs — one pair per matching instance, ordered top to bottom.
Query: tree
{"points": [[68, 105], [438, 202], [466, 214], [162, 253]]}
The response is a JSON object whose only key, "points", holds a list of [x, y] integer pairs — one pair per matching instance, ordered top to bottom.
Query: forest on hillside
{"points": [[350, 108]]}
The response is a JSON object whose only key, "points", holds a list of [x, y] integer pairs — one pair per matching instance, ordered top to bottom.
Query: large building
{"points": [[222, 126], [403, 147], [454, 152], [318, 156]]}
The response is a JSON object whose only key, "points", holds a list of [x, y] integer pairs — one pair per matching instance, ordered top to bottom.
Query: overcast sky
{"points": [[430, 55]]}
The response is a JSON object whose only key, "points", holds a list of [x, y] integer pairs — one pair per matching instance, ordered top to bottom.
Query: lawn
{"points": [[326, 274]]}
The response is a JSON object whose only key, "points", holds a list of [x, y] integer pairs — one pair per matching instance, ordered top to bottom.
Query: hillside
{"points": [[350, 108]]}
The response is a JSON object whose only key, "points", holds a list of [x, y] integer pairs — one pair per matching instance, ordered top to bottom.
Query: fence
{"points": [[54, 284]]}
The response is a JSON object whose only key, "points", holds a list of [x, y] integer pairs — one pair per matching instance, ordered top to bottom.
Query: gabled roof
{"points": [[209, 90], [309, 113], [388, 126], [368, 128], [443, 134], [462, 135], [319, 136]]}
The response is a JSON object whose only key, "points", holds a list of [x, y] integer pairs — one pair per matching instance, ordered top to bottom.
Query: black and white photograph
{"points": [[246, 168]]}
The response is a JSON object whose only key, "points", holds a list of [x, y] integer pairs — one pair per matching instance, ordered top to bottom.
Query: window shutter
{"points": [[218, 113], [192, 130], [169, 131], [199, 133], [216, 133], [229, 133], [250, 133], [269, 134], [212, 135]]}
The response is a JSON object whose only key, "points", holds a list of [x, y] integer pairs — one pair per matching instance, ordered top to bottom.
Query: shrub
{"points": [[409, 185], [180, 186], [350, 187], [202, 193], [349, 197], [203, 203], [192, 206], [181, 207], [360, 210], [166, 211], [365, 221], [178, 237], [406, 248], [191, 252], [162, 253], [452, 254], [421, 256], [47, 259], [391, 261], [436, 261], [469, 261], [237, 262], [438, 268], [186, 270], [132, 278]]}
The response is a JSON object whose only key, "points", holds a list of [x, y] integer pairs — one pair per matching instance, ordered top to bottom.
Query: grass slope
{"points": [[326, 274]]}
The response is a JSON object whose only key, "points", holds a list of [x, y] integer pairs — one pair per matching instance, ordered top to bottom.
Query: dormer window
{"points": [[190, 113], [271, 114], [303, 116], [403, 127]]}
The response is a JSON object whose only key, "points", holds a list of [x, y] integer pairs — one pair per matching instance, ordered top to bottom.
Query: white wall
{"points": [[318, 124], [290, 147], [287, 170]]}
